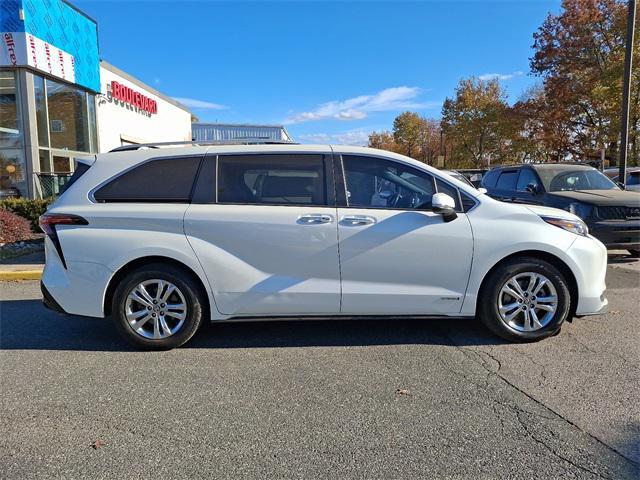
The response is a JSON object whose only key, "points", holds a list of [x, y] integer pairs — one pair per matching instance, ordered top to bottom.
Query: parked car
{"points": [[474, 175], [459, 176], [633, 177], [612, 214], [164, 239]]}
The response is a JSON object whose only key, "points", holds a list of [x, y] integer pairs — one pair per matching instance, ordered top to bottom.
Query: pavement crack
{"points": [[613, 353], [535, 400], [552, 450]]}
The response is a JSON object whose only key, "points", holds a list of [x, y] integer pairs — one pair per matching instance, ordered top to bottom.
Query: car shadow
{"points": [[621, 259], [27, 325]]}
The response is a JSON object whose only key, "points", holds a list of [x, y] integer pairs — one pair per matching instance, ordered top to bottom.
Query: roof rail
{"points": [[235, 141]]}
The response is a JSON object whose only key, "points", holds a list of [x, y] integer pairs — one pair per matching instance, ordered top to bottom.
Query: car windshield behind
{"points": [[558, 180]]}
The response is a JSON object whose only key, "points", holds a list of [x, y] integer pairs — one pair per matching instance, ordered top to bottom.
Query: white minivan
{"points": [[162, 239]]}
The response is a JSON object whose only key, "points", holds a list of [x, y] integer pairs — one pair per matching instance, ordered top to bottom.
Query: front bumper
{"points": [[616, 233], [589, 258]]}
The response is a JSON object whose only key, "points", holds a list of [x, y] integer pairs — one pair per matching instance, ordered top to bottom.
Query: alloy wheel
{"points": [[527, 302], [155, 309]]}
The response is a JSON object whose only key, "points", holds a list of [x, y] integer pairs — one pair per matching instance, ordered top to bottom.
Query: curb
{"points": [[21, 275]]}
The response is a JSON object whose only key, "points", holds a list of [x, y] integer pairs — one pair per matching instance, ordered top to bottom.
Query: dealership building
{"points": [[58, 100]]}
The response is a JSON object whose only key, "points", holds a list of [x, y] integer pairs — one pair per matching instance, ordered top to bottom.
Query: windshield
{"points": [[462, 178], [557, 181]]}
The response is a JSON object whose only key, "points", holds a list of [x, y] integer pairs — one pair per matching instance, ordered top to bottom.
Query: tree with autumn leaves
{"points": [[579, 56], [573, 113], [413, 135]]}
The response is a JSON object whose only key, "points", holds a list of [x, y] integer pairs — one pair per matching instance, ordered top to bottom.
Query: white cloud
{"points": [[500, 76], [193, 103], [357, 108], [359, 137]]}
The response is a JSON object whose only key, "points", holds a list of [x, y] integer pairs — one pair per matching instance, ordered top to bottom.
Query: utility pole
{"points": [[626, 93], [441, 159]]}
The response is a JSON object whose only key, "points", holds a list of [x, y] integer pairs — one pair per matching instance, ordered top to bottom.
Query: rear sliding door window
{"points": [[162, 180], [272, 180]]}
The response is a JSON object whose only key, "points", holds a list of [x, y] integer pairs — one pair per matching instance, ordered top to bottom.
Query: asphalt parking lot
{"points": [[307, 399]]}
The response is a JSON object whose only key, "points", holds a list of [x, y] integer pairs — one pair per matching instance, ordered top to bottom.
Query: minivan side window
{"points": [[527, 176], [264, 179], [161, 180], [507, 180], [378, 183]]}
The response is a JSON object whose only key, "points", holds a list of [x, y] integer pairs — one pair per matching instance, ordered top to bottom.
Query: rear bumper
{"points": [[617, 233], [78, 289], [49, 301]]}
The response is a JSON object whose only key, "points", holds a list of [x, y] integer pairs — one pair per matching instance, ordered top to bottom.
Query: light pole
{"points": [[626, 93]]}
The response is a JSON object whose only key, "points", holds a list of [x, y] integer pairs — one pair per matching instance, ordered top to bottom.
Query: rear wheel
{"points": [[524, 300], [157, 307]]}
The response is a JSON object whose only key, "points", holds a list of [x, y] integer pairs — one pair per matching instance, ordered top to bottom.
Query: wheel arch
{"points": [[556, 261], [128, 267]]}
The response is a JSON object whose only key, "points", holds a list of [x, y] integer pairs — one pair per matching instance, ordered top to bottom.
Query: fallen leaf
{"points": [[402, 391], [97, 444]]}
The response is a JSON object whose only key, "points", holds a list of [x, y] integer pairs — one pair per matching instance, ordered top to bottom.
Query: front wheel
{"points": [[524, 300], [157, 307]]}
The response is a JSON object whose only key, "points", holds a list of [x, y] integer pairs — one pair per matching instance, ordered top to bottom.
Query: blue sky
{"points": [[331, 71]]}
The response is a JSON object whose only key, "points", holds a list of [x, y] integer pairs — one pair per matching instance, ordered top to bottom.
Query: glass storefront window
{"points": [[41, 111], [69, 125], [93, 130], [11, 134], [45, 161], [61, 164], [13, 175]]}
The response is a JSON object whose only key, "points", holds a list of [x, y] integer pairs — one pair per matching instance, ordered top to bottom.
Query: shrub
{"points": [[29, 209], [13, 228]]}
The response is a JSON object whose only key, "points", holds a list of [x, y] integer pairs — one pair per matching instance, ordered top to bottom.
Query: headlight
{"points": [[582, 210], [574, 226]]}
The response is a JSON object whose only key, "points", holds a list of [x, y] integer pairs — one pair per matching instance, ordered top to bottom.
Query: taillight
{"points": [[48, 221]]}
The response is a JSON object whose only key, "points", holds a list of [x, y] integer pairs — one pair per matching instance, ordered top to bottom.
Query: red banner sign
{"points": [[130, 96]]}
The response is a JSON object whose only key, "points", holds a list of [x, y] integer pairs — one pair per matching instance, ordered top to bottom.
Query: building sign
{"points": [[50, 36], [19, 48], [133, 98]]}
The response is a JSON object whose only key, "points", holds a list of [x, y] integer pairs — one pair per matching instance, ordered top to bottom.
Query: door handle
{"points": [[314, 219], [358, 220]]}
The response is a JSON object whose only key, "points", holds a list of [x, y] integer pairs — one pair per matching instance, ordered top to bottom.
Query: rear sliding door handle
{"points": [[314, 219], [357, 220]]}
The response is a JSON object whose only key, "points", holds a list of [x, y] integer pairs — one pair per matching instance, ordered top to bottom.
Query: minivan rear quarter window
{"points": [[272, 179], [161, 180]]}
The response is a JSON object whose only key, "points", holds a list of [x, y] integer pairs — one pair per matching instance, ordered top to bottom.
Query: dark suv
{"points": [[612, 214]]}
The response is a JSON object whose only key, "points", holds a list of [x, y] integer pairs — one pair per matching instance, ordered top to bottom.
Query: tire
{"points": [[634, 253], [144, 308], [517, 324]]}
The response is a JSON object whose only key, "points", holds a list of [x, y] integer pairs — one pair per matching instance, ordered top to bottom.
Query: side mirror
{"points": [[621, 185], [532, 188], [482, 190], [444, 205]]}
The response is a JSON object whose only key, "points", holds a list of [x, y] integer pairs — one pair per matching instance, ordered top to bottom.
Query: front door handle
{"points": [[314, 219], [355, 220]]}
